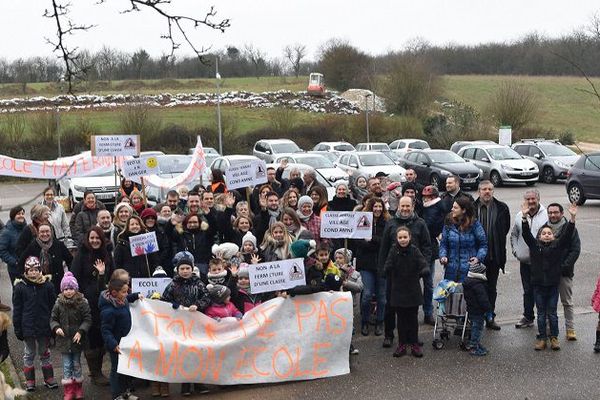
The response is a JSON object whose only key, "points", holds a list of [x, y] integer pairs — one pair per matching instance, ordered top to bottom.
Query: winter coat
{"points": [[448, 199], [341, 204], [77, 209], [434, 213], [86, 218], [59, 221], [313, 224], [419, 237], [198, 242], [8, 245], [459, 247], [165, 248], [519, 248], [367, 252], [570, 252], [58, 253], [496, 255], [546, 258], [137, 266], [404, 267], [352, 281], [314, 282], [186, 292], [476, 295], [596, 297], [246, 301], [32, 306], [223, 311], [71, 315], [116, 319]]}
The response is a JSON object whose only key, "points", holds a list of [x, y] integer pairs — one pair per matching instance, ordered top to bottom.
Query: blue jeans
{"points": [[372, 285], [428, 291], [528, 297], [546, 302], [476, 330], [39, 346], [72, 365], [118, 382]]}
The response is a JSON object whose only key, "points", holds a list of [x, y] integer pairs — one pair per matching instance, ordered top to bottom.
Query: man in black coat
{"points": [[453, 192], [494, 215]]}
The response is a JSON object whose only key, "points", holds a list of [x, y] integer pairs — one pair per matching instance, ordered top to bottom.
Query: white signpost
{"points": [[505, 135], [116, 145], [137, 168], [250, 173], [346, 225], [145, 243], [276, 275]]}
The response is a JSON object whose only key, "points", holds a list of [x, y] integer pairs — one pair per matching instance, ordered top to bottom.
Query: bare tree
{"points": [[295, 54], [257, 58], [139, 60], [107, 62], [513, 104]]}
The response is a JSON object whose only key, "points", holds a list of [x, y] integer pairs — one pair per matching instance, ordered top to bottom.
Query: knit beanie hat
{"points": [[408, 185], [303, 200], [121, 205], [148, 213], [306, 235], [249, 237], [303, 248], [225, 250], [345, 252], [182, 254], [185, 261], [32, 262], [478, 268], [159, 272], [68, 282], [218, 293]]}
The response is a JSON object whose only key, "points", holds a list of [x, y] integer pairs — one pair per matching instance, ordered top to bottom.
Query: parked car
{"points": [[372, 146], [403, 146], [456, 146], [334, 147], [268, 149], [392, 155], [331, 156], [552, 158], [222, 163], [319, 163], [369, 163], [501, 164], [169, 166], [434, 166], [583, 179], [103, 185], [330, 186]]}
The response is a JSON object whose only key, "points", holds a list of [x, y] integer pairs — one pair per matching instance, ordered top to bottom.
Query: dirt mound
{"points": [[360, 97]]}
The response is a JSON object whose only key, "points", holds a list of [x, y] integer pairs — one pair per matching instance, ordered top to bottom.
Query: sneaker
{"points": [[428, 320], [524, 323], [491, 324], [364, 329], [379, 329], [571, 335], [387, 342], [554, 343], [540, 344], [353, 350], [400, 350], [416, 351], [478, 351], [201, 388], [186, 389]]}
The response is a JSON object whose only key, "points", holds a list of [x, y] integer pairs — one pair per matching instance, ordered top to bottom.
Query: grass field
{"points": [[563, 106]]}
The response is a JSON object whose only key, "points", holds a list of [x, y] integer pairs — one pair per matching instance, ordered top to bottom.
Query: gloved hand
{"points": [[176, 305], [489, 316]]}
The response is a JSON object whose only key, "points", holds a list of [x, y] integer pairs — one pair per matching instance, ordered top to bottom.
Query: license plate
{"points": [[525, 173], [472, 180], [105, 195]]}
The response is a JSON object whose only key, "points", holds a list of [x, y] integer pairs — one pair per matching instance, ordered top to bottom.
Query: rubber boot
{"points": [[597, 344], [94, 360], [29, 373], [49, 380], [78, 388], [68, 389], [155, 389], [164, 389]]}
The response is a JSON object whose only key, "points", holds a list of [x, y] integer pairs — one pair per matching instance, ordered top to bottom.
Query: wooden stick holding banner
{"points": [[116, 184], [144, 192]]}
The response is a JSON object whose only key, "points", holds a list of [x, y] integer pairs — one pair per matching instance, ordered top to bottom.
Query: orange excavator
{"points": [[316, 84]]}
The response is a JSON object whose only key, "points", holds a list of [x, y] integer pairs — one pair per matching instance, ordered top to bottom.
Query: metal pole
{"points": [[219, 107], [367, 115], [58, 132]]}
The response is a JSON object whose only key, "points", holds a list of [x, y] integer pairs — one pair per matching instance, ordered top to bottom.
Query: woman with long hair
{"points": [[318, 194], [290, 198], [137, 202], [122, 213], [40, 214], [58, 216], [292, 222], [195, 234], [8, 241], [276, 243], [141, 266]]}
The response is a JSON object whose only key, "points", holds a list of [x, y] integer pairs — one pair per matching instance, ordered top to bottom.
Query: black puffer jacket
{"points": [[341, 204], [86, 218], [198, 242], [367, 252], [137, 266], [404, 267], [187, 292], [476, 295], [32, 306], [72, 316]]}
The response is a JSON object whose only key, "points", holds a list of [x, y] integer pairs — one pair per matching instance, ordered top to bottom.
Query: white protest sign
{"points": [[505, 135], [116, 145], [137, 168], [249, 173], [346, 225], [145, 243], [276, 275], [148, 286], [300, 338]]}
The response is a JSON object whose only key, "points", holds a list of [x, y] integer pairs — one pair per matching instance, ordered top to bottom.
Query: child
{"points": [[183, 197], [248, 249], [546, 253], [324, 261], [404, 267], [314, 269], [219, 275], [351, 280], [185, 290], [33, 298], [242, 298], [221, 305], [478, 306], [596, 306], [71, 320], [115, 324]]}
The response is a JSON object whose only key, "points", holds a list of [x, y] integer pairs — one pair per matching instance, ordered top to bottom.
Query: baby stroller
{"points": [[450, 313]]}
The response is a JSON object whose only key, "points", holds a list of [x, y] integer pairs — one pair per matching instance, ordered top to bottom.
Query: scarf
{"points": [[432, 202], [274, 215], [303, 218], [401, 218], [556, 228], [292, 229], [44, 254], [475, 275], [40, 279], [217, 279], [113, 300]]}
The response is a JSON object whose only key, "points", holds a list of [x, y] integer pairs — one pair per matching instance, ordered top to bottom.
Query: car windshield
{"points": [[418, 145], [379, 146], [285, 147], [343, 147], [556, 150], [503, 153], [392, 155], [445, 157], [210, 158], [369, 160], [315, 161], [174, 164]]}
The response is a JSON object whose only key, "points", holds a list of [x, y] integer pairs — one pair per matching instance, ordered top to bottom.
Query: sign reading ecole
{"points": [[116, 145], [249, 173], [346, 225], [145, 243], [276, 275], [148, 286]]}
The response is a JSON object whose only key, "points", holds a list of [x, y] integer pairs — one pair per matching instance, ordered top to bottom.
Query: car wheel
{"points": [[548, 175], [495, 179], [435, 180], [575, 193]]}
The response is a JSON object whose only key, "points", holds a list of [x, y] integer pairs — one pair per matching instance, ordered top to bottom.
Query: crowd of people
{"points": [[71, 277]]}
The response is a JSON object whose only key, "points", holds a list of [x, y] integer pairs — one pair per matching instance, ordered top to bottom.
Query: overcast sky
{"points": [[374, 26]]}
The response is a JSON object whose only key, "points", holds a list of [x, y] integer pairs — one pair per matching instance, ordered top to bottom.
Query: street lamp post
{"points": [[218, 77], [367, 114]]}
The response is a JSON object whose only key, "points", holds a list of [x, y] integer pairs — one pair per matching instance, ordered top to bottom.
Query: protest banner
{"points": [[115, 145], [137, 168], [249, 173], [346, 225], [144, 243], [276, 275], [148, 286], [300, 338]]}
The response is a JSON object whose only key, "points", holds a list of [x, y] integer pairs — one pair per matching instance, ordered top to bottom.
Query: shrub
{"points": [[514, 105], [139, 119], [282, 119], [44, 126], [12, 127], [76, 138], [567, 138]]}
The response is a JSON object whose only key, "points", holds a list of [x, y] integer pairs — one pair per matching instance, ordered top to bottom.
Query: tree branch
{"points": [[594, 92]]}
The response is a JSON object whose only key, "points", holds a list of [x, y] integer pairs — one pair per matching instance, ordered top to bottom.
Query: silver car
{"points": [[269, 149], [552, 158], [369, 163], [321, 164], [501, 164]]}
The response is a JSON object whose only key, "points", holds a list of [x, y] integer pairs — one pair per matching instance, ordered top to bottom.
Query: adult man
{"points": [[411, 177], [310, 180], [271, 181], [374, 186], [453, 191], [208, 200], [172, 201], [193, 203], [269, 213], [494, 215], [537, 216], [558, 222], [419, 237]]}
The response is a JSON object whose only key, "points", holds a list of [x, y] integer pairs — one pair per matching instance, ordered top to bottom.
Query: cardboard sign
{"points": [[505, 135], [116, 145], [137, 168], [250, 173], [346, 224], [145, 243], [276, 275], [147, 286], [300, 338]]}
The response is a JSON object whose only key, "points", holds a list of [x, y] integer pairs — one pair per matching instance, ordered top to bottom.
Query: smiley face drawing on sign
{"points": [[151, 162]]}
